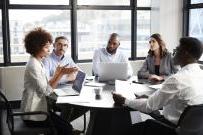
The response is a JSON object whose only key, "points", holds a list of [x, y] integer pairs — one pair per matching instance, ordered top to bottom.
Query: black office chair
{"points": [[52, 107], [190, 122], [17, 127]]}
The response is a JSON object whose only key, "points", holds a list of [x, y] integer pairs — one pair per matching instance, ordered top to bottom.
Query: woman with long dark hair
{"points": [[158, 64]]}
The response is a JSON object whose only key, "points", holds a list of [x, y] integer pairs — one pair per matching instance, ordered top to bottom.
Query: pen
{"points": [[66, 65], [137, 82]]}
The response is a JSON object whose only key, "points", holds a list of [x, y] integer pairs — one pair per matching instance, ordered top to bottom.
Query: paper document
{"points": [[90, 77], [95, 84], [157, 86], [124, 88], [128, 89], [60, 92], [72, 99]]}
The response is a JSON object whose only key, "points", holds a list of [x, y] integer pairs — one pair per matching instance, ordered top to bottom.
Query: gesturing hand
{"points": [[118, 99]]}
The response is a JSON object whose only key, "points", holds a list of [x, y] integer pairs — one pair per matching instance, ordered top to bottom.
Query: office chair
{"points": [[52, 107], [190, 122], [16, 125]]}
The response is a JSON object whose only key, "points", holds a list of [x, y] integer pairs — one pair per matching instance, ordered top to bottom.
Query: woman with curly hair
{"points": [[36, 86]]}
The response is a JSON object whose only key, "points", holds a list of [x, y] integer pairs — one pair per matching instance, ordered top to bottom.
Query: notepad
{"points": [[95, 84], [72, 99]]}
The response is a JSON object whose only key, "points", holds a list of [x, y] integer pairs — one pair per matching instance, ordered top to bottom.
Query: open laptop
{"points": [[112, 71], [73, 89]]}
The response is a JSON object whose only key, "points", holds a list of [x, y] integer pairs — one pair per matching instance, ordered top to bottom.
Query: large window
{"points": [[196, 1], [40, 2], [103, 2], [143, 3], [195, 17], [22, 21], [86, 23], [95, 27], [143, 32], [1, 40]]}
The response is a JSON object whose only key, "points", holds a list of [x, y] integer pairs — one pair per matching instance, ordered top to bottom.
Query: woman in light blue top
{"points": [[159, 63]]}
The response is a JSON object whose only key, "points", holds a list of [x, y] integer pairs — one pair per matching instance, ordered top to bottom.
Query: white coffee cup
{"points": [[98, 90]]}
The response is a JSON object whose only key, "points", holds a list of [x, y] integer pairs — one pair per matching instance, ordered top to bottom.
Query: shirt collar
{"points": [[106, 52], [55, 56], [190, 66]]}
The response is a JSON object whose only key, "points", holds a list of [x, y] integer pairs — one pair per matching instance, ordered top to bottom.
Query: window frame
{"points": [[187, 6], [72, 7]]}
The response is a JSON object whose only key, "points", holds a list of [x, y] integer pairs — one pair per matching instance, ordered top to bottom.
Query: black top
{"points": [[157, 69]]}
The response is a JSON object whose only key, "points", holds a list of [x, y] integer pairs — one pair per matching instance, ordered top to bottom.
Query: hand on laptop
{"points": [[118, 98]]}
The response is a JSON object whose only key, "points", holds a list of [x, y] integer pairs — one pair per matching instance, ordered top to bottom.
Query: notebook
{"points": [[74, 89]]}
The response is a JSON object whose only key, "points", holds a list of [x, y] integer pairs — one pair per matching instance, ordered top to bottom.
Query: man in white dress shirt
{"points": [[110, 54], [178, 91]]}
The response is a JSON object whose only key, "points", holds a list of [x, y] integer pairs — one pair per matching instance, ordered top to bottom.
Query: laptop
{"points": [[112, 71], [72, 89]]}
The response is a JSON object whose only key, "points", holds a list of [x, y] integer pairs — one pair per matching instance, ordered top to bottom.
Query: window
{"points": [[196, 1], [40, 2], [103, 2], [143, 3], [21, 21], [86, 23], [196, 23], [194, 26], [95, 27], [143, 33], [1, 40]]}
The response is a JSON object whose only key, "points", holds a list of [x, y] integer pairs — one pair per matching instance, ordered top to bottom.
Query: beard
{"points": [[111, 51]]}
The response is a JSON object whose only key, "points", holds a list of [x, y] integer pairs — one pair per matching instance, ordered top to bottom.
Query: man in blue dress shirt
{"points": [[57, 58]]}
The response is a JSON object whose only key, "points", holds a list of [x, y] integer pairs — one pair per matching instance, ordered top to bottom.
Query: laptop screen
{"points": [[113, 71], [79, 80]]}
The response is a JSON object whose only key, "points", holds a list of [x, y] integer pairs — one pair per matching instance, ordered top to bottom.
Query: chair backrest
{"points": [[9, 111], [191, 121]]}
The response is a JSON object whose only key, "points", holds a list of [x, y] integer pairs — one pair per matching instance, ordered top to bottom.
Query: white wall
{"points": [[166, 19]]}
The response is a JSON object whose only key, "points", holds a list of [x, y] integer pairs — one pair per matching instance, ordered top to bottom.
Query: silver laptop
{"points": [[112, 71], [72, 89]]}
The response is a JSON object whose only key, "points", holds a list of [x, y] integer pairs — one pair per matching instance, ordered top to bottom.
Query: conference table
{"points": [[106, 118]]}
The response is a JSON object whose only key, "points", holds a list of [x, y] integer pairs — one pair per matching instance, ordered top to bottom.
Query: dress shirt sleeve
{"points": [[95, 61], [72, 63], [47, 68], [143, 73], [39, 82], [157, 100]]}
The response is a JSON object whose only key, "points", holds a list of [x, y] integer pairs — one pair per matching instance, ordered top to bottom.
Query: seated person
{"points": [[110, 54], [58, 58], [158, 64], [36, 85], [178, 91]]}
